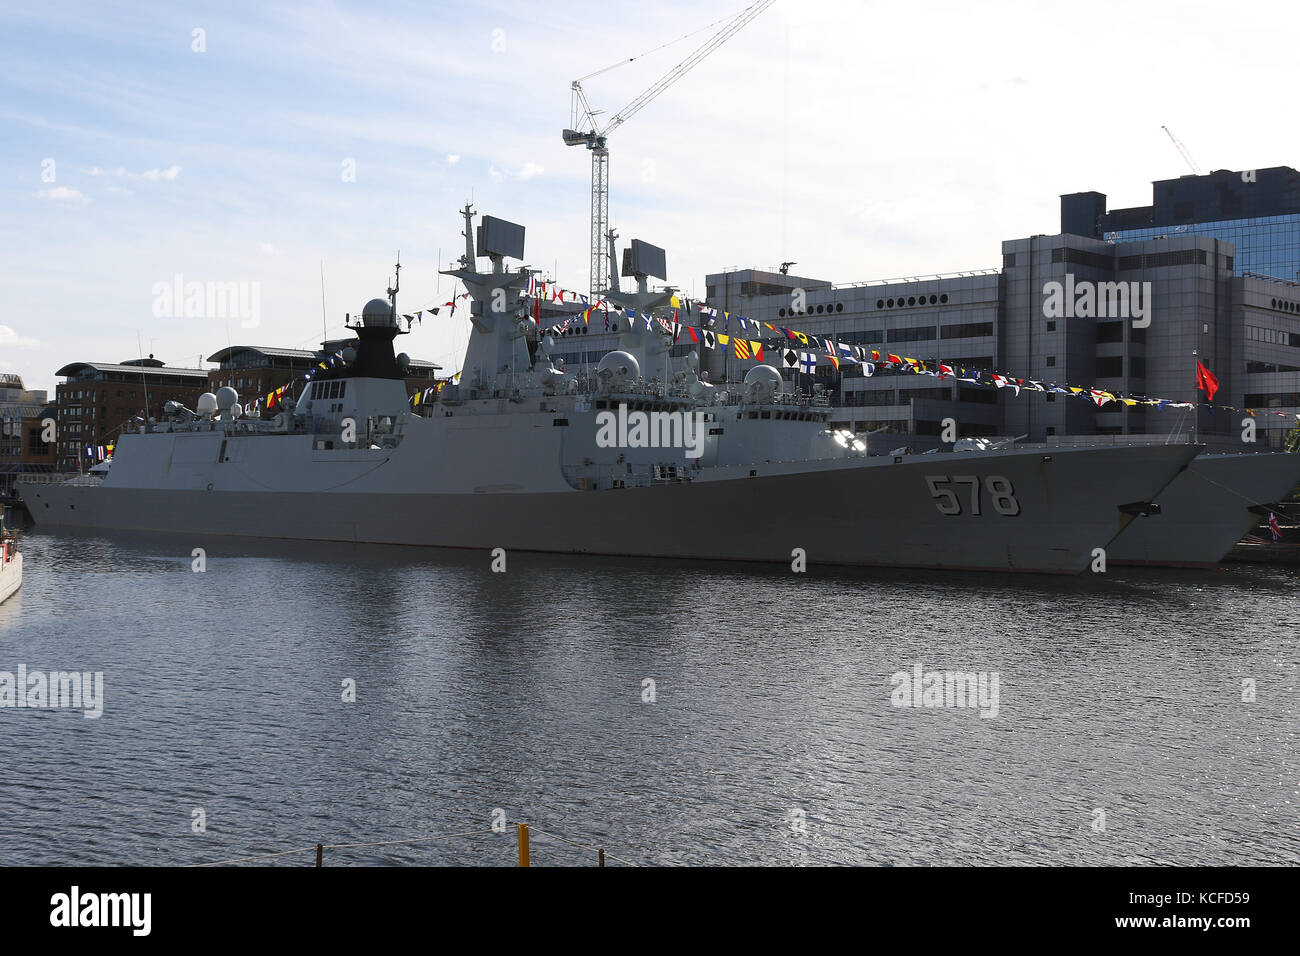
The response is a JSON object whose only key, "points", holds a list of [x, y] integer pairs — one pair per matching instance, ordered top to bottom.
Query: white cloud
{"points": [[453, 159], [527, 171], [169, 174], [151, 175], [62, 194], [268, 249], [11, 339]]}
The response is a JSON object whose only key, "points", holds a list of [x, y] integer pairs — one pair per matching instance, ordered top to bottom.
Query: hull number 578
{"points": [[958, 493]]}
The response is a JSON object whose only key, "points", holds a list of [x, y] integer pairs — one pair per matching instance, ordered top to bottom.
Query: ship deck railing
{"points": [[46, 478]]}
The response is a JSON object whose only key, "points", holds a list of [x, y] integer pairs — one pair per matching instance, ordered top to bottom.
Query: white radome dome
{"points": [[377, 312], [620, 365]]}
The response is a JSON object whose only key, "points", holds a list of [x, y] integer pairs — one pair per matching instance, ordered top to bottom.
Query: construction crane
{"points": [[585, 130], [1183, 151]]}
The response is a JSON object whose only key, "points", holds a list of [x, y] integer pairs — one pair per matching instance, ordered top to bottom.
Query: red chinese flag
{"points": [[1206, 381]]}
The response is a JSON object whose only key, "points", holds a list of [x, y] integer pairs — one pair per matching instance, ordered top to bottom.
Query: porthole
{"points": [[944, 298], [934, 299], [911, 300], [880, 303], [891, 303], [839, 306], [821, 309], [781, 313]]}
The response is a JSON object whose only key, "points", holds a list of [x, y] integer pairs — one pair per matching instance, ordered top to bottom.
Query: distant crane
{"points": [[586, 131], [1187, 157]]}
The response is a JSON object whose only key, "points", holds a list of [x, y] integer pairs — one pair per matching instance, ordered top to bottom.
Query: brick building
{"points": [[97, 399], [17, 404]]}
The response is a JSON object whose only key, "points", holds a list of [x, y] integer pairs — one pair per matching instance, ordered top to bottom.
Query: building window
{"points": [[1051, 325], [966, 330], [1110, 332], [1051, 361], [1110, 367]]}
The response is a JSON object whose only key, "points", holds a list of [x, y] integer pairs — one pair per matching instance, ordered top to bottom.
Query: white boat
{"points": [[11, 562]]}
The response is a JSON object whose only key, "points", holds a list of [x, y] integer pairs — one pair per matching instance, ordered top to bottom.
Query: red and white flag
{"points": [[1274, 527]]}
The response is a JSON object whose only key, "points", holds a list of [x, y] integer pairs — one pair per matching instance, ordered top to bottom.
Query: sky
{"points": [[263, 144]]}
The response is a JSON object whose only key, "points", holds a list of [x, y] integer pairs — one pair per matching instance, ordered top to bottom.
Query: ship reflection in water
{"points": [[768, 735]]}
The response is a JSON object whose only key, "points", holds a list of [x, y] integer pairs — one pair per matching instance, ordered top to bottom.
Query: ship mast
{"points": [[392, 290]]}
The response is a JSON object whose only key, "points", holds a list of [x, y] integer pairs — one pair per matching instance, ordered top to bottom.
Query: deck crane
{"points": [[586, 130], [1182, 150]]}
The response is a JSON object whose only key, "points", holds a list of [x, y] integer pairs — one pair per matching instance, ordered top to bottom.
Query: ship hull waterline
{"points": [[868, 512]]}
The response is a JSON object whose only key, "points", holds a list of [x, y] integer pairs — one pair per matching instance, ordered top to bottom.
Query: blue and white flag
{"points": [[808, 362]]}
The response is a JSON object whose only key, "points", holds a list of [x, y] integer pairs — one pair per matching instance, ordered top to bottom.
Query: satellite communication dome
{"points": [[377, 312], [349, 355], [403, 361], [620, 366], [762, 373], [762, 382], [226, 396], [207, 403], [236, 410]]}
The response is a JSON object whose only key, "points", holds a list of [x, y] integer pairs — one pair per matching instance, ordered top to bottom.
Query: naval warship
{"points": [[634, 459]]}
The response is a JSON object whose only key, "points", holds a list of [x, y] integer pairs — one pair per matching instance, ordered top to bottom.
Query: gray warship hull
{"points": [[443, 486], [1206, 510]]}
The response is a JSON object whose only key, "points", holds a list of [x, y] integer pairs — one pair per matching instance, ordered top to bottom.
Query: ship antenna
{"points": [[392, 291], [324, 330], [144, 381]]}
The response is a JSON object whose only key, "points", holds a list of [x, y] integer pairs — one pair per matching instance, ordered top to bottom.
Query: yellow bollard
{"points": [[523, 844]]}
